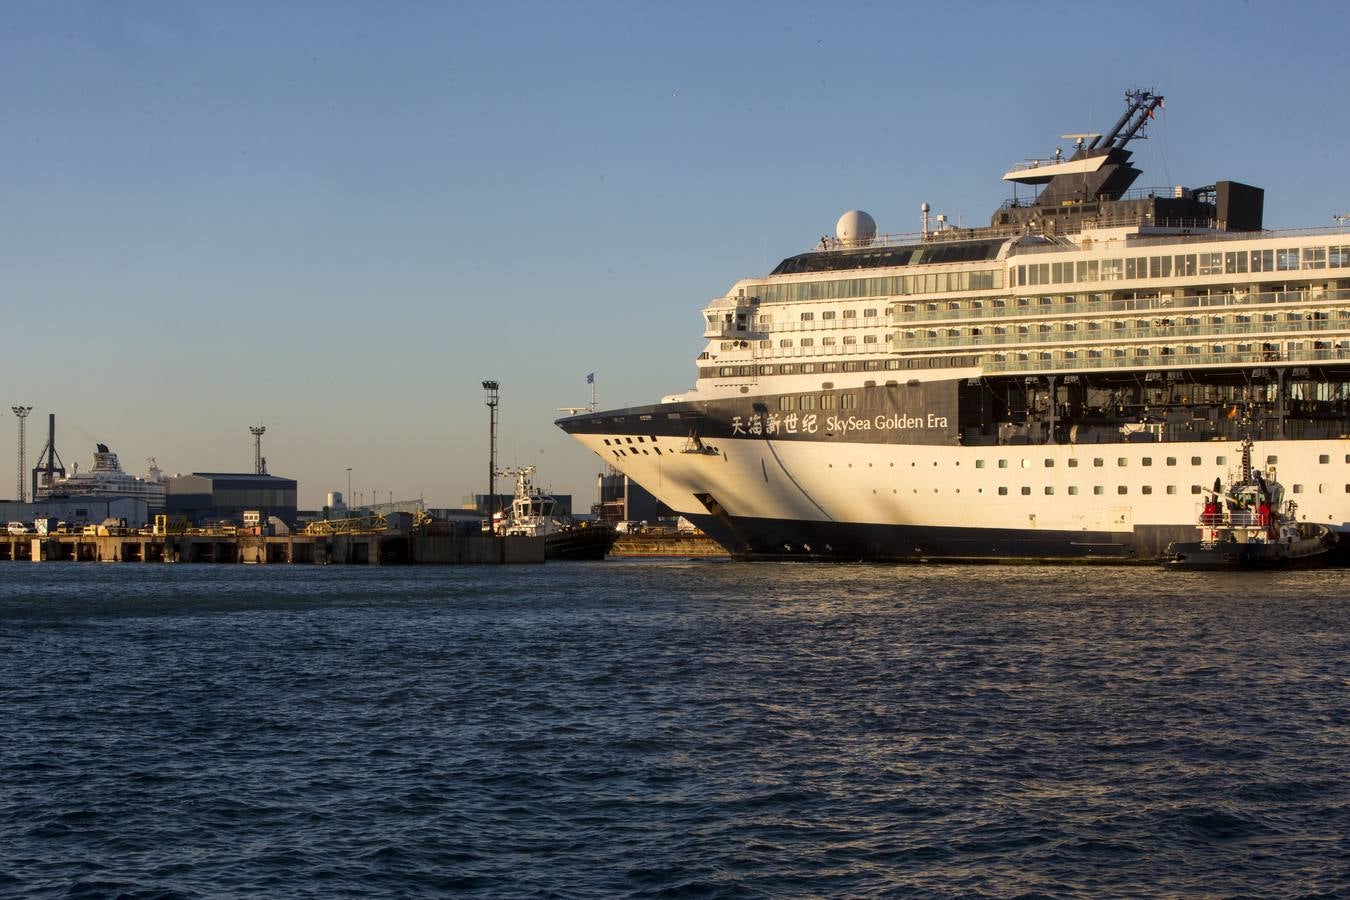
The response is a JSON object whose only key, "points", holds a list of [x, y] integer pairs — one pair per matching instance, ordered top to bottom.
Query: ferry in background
{"points": [[1063, 384], [106, 478]]}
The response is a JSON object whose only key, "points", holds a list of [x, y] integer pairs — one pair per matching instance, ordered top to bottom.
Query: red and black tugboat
{"points": [[1251, 526]]}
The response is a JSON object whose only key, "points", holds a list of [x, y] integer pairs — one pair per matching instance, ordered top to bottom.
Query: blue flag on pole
{"points": [[590, 379]]}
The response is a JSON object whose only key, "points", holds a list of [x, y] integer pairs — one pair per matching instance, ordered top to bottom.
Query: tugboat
{"points": [[534, 513], [1251, 526]]}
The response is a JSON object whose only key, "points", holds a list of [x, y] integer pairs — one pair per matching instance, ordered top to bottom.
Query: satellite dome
{"points": [[855, 228]]}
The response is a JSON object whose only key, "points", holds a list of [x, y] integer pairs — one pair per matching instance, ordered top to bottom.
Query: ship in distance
{"points": [[1063, 384]]}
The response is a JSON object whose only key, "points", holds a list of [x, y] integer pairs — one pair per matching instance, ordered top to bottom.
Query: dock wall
{"points": [[342, 549]]}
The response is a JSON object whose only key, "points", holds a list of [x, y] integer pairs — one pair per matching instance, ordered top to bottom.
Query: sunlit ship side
{"points": [[1063, 384]]}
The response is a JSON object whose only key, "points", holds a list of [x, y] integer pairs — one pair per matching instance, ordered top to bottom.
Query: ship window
{"points": [[1314, 257], [1286, 260], [1234, 263], [869, 313], [827, 314], [850, 314], [808, 316], [850, 339], [869, 339], [786, 342], [811, 342], [872, 365], [829, 367], [787, 368], [807, 368], [766, 370], [808, 401], [827, 401], [848, 401], [786, 402], [629, 440], [606, 442], [657, 449], [1324, 459], [1171, 460], [1195, 460], [1220, 460], [1272, 460], [1122, 461], [1146, 461], [1097, 462], [1026, 463], [1049, 463], [1073, 463], [979, 464], [1003, 464], [1049, 489], [1122, 489], [1147, 489], [1171, 489], [1195, 489], [1298, 489], [1073, 490], [1098, 490], [1026, 491], [1003, 492]]}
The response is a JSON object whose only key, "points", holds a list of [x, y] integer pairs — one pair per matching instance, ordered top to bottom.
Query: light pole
{"points": [[491, 387], [22, 412], [349, 487]]}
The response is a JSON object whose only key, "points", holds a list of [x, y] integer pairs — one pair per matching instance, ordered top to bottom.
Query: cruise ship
{"points": [[1063, 384], [105, 479]]}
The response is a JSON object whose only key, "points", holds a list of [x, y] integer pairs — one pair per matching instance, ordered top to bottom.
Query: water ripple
{"points": [[671, 729]]}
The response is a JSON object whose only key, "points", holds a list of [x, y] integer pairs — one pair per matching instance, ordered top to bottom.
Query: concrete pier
{"points": [[342, 549]]}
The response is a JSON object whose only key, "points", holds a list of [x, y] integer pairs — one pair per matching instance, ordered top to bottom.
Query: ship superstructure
{"points": [[1062, 383], [106, 479]]}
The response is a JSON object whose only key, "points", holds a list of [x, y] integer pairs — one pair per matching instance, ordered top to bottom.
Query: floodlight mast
{"points": [[491, 387], [22, 412]]}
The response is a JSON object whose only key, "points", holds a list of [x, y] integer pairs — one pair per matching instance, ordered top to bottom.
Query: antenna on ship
{"points": [[924, 208], [1342, 218], [22, 412], [259, 464]]}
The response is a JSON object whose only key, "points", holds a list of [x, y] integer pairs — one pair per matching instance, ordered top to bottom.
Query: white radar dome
{"points": [[855, 228]]}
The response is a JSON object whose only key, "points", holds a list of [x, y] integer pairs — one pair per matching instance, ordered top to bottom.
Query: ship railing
{"points": [[1209, 228], [899, 315], [1108, 337], [1177, 360]]}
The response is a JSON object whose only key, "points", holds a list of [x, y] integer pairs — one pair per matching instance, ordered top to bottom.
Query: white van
{"points": [[17, 528]]}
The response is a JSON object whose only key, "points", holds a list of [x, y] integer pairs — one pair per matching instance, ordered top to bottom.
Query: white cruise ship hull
{"points": [[763, 497]]}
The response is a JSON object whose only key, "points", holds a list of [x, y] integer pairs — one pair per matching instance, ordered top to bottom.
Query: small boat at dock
{"points": [[535, 513]]}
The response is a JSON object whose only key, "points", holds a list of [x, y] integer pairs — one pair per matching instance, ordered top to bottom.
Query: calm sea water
{"points": [[672, 729]]}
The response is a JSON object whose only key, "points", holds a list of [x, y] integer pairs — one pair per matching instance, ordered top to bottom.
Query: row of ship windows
{"points": [[1240, 262], [1184, 265], [886, 286], [827, 315], [1064, 327], [824, 342], [856, 365], [1121, 489]]}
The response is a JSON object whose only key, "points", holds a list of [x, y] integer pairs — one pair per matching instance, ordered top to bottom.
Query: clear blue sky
{"points": [[338, 219]]}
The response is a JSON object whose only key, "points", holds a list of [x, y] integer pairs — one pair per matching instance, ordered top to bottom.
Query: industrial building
{"points": [[215, 496]]}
